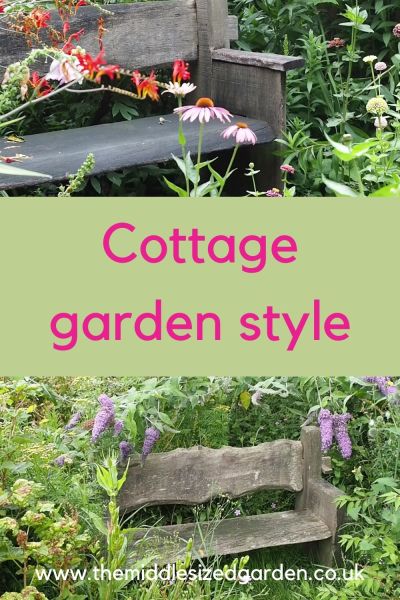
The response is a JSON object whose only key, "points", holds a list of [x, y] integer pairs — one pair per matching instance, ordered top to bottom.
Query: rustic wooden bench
{"points": [[154, 34], [199, 474]]}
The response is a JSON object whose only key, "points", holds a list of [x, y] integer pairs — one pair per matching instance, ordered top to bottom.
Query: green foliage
{"points": [[52, 514]]}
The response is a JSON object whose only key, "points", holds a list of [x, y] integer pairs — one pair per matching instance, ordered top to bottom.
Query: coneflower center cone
{"points": [[205, 103]]}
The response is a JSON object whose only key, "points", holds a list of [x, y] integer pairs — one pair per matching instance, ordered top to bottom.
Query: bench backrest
{"points": [[143, 34], [196, 475]]}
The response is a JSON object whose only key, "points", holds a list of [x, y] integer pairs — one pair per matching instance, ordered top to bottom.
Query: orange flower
{"points": [[40, 18], [69, 44], [95, 67], [180, 71], [39, 84], [146, 86]]}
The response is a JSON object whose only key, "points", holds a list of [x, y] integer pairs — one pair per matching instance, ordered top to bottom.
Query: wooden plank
{"points": [[233, 28], [213, 32], [139, 35], [275, 62], [252, 91], [116, 146], [311, 440], [326, 465], [196, 475], [322, 498], [230, 536]]}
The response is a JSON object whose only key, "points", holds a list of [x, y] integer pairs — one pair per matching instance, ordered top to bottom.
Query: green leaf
{"points": [[7, 123], [181, 138], [187, 167], [8, 170], [220, 180], [175, 188], [339, 188], [245, 400], [97, 522]]}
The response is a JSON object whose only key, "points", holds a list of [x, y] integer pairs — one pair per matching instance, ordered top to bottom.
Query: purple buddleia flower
{"points": [[384, 384], [106, 403], [104, 418], [74, 420], [325, 420], [118, 427], [342, 435], [151, 436], [125, 449], [60, 460]]}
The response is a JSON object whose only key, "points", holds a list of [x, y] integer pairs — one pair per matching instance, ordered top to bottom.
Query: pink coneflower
{"points": [[204, 110], [241, 132], [288, 169], [273, 193]]}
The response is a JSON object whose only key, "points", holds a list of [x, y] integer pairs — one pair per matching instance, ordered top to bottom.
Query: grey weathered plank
{"points": [[233, 28], [213, 32], [143, 34], [275, 62], [253, 91], [115, 146], [326, 465], [312, 466], [196, 475], [318, 495], [322, 498], [230, 536]]}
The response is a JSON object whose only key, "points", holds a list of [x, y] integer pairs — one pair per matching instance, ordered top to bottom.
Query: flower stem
{"points": [[183, 146], [199, 147], [228, 170]]}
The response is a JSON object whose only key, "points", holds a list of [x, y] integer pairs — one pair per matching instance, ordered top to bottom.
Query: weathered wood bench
{"points": [[154, 34], [199, 474]]}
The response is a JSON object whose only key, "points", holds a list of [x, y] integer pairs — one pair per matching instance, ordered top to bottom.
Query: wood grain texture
{"points": [[233, 28], [213, 32], [144, 34], [276, 62], [252, 91], [115, 146], [312, 465], [326, 465], [196, 475], [318, 496], [322, 498], [230, 536]]}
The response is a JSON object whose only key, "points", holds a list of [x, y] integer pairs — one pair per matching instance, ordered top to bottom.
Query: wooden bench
{"points": [[154, 34], [198, 475]]}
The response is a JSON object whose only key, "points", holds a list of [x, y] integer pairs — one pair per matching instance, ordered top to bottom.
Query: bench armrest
{"points": [[276, 62], [252, 84]]}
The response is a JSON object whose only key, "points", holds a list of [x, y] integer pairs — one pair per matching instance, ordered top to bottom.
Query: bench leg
{"points": [[321, 502]]}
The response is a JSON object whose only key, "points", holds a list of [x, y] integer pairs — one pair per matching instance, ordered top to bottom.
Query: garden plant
{"points": [[342, 134], [66, 444]]}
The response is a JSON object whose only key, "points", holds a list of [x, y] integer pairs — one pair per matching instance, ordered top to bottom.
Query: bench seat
{"points": [[115, 146], [231, 536]]}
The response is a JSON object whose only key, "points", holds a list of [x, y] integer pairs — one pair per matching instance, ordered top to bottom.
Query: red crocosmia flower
{"points": [[40, 17], [69, 44], [95, 67], [180, 71], [39, 84], [146, 86]]}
